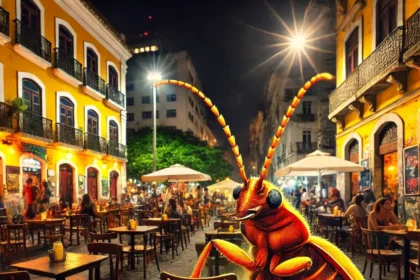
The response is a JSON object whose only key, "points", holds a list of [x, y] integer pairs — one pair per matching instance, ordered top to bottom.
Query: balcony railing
{"points": [[4, 21], [412, 31], [33, 41], [385, 57], [68, 64], [371, 72], [92, 80], [115, 95], [6, 116], [304, 117], [35, 125], [68, 135], [95, 143], [305, 148], [116, 149]]}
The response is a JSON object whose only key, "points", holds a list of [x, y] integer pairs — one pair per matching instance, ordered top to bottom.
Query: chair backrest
{"points": [[114, 218], [187, 219], [56, 228], [16, 233], [415, 236], [102, 237], [371, 239], [111, 250], [16, 275], [167, 276]]}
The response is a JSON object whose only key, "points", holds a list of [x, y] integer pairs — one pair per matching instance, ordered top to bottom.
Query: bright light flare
{"points": [[298, 42], [154, 76]]}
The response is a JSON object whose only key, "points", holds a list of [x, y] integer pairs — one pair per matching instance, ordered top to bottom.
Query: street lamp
{"points": [[154, 77]]}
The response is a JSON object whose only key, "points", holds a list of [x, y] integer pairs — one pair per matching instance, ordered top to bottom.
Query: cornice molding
{"points": [[351, 15], [95, 27]]}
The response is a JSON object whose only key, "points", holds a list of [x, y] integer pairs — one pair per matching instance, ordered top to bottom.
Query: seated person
{"points": [[336, 200], [171, 209], [356, 211], [382, 217]]}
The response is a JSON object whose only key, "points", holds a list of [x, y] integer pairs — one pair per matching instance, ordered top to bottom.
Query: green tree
{"points": [[173, 146]]}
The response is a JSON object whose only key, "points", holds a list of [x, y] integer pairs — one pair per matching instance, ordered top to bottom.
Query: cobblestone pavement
{"points": [[182, 265]]}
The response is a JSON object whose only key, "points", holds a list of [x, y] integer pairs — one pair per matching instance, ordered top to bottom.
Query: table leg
{"points": [[132, 253], [144, 255], [406, 258]]}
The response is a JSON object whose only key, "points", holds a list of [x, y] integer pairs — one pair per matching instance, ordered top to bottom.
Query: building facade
{"points": [[62, 101], [176, 106], [375, 106], [255, 144]]}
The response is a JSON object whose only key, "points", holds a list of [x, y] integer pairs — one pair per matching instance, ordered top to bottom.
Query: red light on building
{"points": [[150, 17], [146, 33]]}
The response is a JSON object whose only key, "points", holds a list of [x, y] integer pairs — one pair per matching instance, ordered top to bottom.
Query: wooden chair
{"points": [[126, 214], [144, 214], [113, 218], [197, 219], [77, 223], [335, 225], [185, 229], [54, 231], [356, 233], [164, 235], [16, 237], [3, 247], [114, 251], [383, 257], [414, 263], [15, 275], [167, 276]]}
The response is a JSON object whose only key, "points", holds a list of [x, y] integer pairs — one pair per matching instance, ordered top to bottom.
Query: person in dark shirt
{"points": [[296, 199], [336, 200], [171, 210]]}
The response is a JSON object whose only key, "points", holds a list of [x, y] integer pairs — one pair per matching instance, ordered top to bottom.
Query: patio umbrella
{"points": [[317, 164], [176, 173], [225, 185]]}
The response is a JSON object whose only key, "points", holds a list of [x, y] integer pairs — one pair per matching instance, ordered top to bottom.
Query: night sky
{"points": [[223, 48]]}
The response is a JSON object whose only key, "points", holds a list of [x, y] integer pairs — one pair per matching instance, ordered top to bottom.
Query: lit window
{"points": [[153, 48], [141, 49], [147, 49], [136, 50]]}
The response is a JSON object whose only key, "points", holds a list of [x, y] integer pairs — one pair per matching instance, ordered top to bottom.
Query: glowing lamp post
{"points": [[154, 77]]}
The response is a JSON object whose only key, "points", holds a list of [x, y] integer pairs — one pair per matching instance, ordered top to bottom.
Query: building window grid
{"points": [[352, 51], [171, 97], [145, 99], [130, 101], [307, 107], [66, 112], [171, 113], [146, 115], [130, 117], [306, 138]]}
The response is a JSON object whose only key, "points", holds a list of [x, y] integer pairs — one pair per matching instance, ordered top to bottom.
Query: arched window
{"points": [[31, 15], [386, 19], [66, 40], [92, 60], [113, 77], [32, 96], [66, 111], [93, 122], [113, 131]]}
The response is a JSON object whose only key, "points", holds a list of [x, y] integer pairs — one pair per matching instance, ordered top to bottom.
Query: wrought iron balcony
{"points": [[4, 21], [412, 36], [33, 41], [68, 64], [372, 75], [92, 80], [115, 95], [6, 116], [304, 117], [35, 125], [68, 135], [95, 143], [328, 143], [305, 148], [116, 149]]}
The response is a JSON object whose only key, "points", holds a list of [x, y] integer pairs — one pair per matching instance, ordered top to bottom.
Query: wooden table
{"points": [[38, 224], [133, 232], [406, 254], [74, 263]]}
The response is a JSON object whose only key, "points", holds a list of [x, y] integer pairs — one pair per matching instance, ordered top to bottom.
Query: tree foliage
{"points": [[173, 146]]}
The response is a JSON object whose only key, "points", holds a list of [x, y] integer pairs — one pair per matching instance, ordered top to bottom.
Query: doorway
{"points": [[31, 168], [113, 179], [66, 183], [93, 183]]}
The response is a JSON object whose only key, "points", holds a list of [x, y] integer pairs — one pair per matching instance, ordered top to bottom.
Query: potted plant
{"points": [[18, 106]]}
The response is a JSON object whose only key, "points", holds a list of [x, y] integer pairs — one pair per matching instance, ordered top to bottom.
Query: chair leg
{"points": [[173, 248], [156, 259], [364, 267], [371, 269], [380, 270], [399, 271]]}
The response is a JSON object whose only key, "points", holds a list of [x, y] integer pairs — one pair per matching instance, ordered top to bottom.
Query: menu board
{"points": [[411, 171]]}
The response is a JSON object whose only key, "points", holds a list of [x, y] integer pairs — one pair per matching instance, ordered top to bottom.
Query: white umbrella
{"points": [[319, 163], [176, 173], [225, 185]]}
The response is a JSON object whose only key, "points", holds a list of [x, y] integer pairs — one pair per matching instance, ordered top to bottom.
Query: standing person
{"points": [[27, 192], [198, 194], [45, 195], [206, 197], [305, 198], [296, 199]]}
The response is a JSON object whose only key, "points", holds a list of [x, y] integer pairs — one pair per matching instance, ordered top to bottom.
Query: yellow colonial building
{"points": [[62, 101], [376, 103]]}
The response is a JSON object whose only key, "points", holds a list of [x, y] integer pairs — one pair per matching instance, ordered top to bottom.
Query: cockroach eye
{"points": [[237, 192], [274, 199]]}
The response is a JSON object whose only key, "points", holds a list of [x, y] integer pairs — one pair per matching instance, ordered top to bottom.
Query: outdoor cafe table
{"points": [[34, 224], [142, 230], [221, 234], [406, 254], [74, 263]]}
